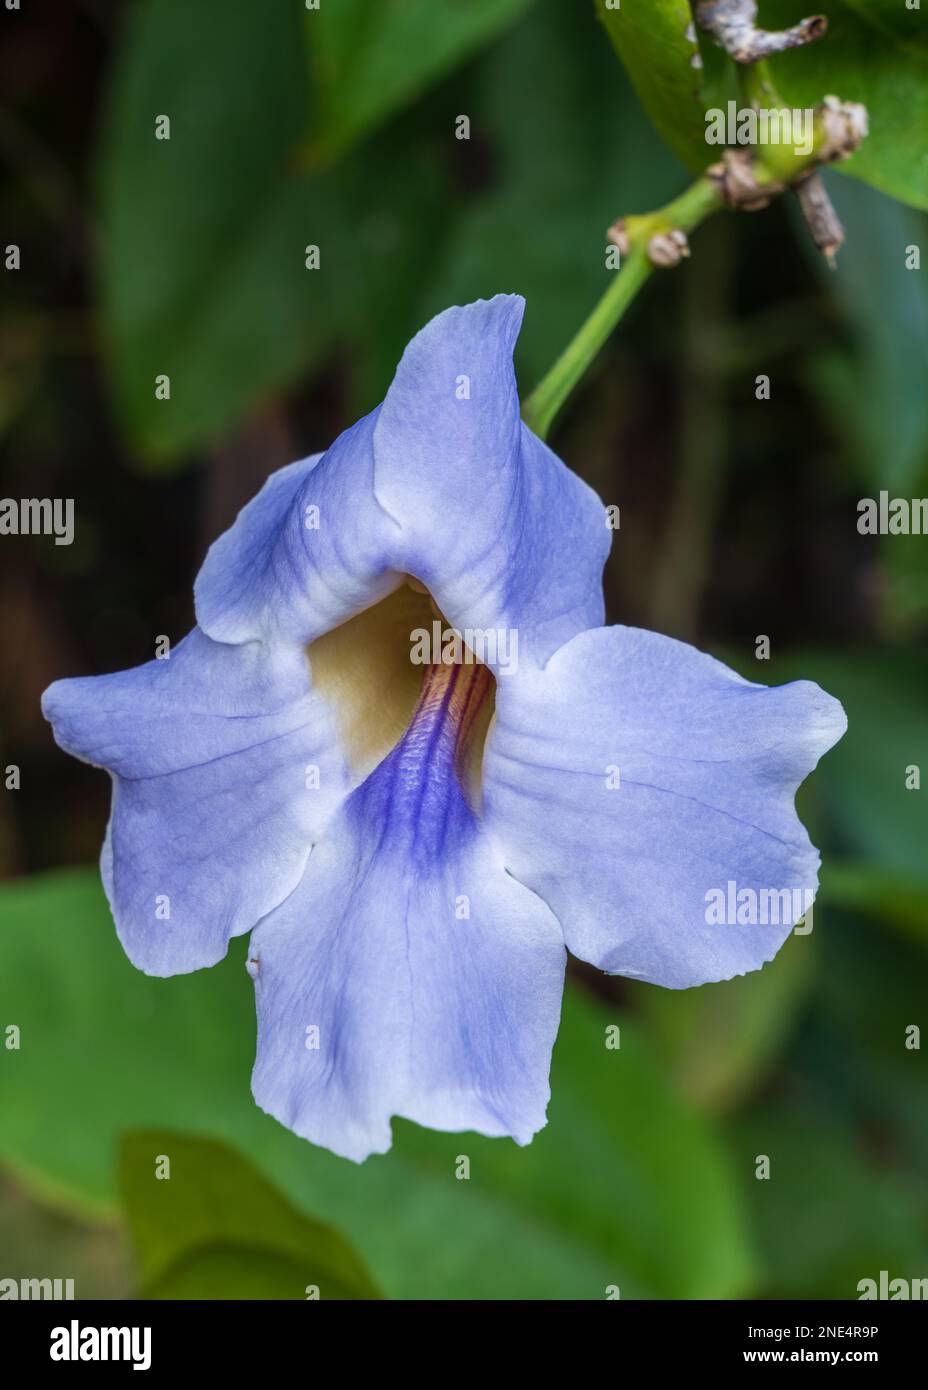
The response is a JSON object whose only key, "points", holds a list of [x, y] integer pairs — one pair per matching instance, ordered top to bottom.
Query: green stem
{"points": [[686, 212]]}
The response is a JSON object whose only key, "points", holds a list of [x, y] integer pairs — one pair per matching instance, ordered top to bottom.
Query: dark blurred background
{"points": [[186, 257]]}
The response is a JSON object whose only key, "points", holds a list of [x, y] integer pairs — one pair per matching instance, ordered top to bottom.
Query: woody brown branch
{"points": [[732, 24]]}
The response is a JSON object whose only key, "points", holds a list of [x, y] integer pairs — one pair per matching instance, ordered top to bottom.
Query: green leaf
{"points": [[656, 41], [875, 52], [368, 60], [203, 273], [720, 1040], [627, 1184], [211, 1226]]}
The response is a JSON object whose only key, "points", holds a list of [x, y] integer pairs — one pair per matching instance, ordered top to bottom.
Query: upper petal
{"points": [[444, 482], [633, 777], [215, 805], [408, 974]]}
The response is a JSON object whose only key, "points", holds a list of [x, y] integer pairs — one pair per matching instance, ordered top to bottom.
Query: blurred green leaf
{"points": [[656, 41], [875, 52], [370, 59], [539, 228], [381, 249], [204, 266], [203, 274], [877, 390], [905, 607], [864, 776], [887, 894], [872, 992], [97, 1039], [721, 1039], [645, 1160], [627, 1184], [826, 1217], [212, 1226], [36, 1237]]}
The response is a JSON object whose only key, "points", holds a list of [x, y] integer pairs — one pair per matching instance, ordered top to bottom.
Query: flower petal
{"points": [[443, 482], [707, 766], [214, 811], [422, 1012]]}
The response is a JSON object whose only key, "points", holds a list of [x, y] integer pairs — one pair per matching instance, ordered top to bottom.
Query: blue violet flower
{"points": [[401, 748]]}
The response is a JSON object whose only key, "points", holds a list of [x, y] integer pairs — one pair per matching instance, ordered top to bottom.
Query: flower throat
{"points": [[429, 719]]}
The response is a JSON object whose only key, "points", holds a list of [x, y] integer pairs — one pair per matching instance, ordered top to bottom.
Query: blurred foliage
{"points": [[368, 61], [336, 128], [200, 226], [208, 232], [205, 275], [875, 382], [875, 816], [890, 895], [719, 1041], [862, 1063], [654, 1212], [826, 1217], [206, 1224], [40, 1241]]}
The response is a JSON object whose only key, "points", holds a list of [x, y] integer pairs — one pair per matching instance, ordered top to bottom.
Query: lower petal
{"points": [[408, 975]]}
